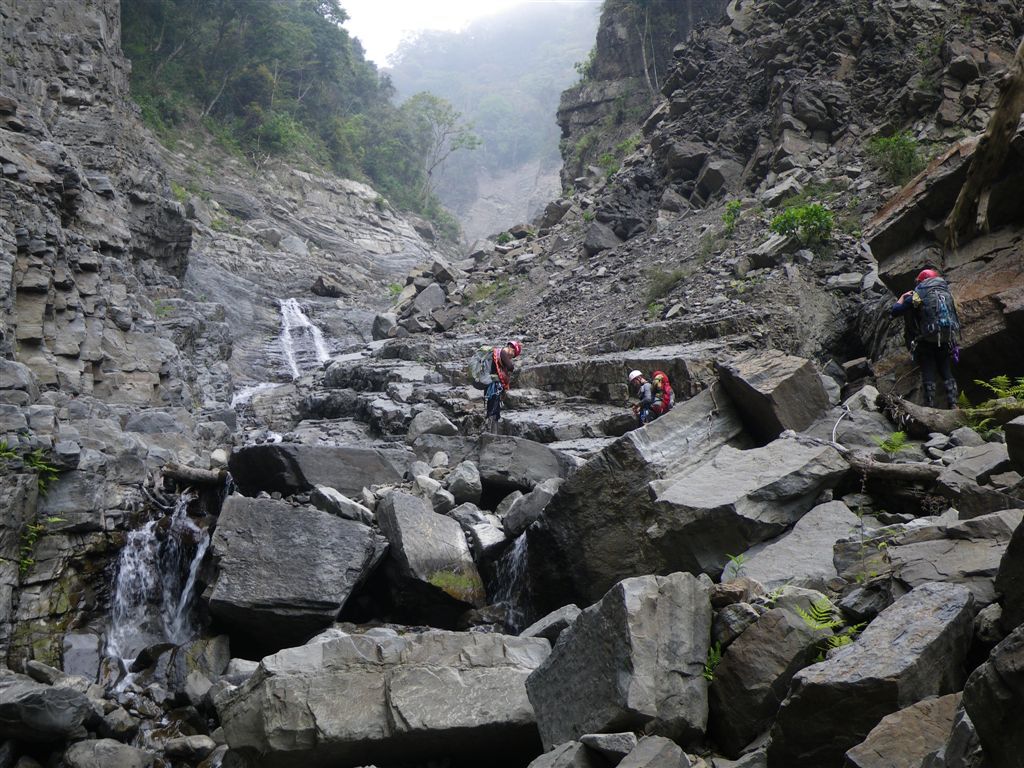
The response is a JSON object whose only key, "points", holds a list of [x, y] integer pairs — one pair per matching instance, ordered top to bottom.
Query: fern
{"points": [[1003, 386], [892, 444], [821, 616], [713, 660]]}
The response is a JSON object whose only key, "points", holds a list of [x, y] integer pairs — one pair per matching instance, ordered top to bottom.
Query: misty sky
{"points": [[381, 25]]}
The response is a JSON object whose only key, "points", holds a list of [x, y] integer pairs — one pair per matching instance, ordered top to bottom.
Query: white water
{"points": [[300, 338], [244, 394], [510, 582], [155, 584]]}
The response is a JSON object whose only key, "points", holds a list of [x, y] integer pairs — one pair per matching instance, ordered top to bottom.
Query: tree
{"points": [[440, 132]]}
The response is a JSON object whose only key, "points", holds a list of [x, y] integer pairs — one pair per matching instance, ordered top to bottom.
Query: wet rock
{"points": [[384, 325], [774, 391], [430, 422], [512, 462], [290, 468], [464, 483], [336, 503], [523, 511], [431, 570], [264, 590], [552, 625], [913, 650], [634, 660], [753, 676], [994, 693], [416, 697], [34, 712], [904, 738], [612, 746], [191, 748], [655, 752], [106, 753], [571, 754]]}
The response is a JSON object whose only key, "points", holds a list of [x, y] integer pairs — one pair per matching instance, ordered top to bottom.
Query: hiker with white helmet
{"points": [[641, 387]]}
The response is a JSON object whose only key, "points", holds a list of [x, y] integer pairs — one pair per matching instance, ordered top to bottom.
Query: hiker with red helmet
{"points": [[932, 330], [502, 366]]}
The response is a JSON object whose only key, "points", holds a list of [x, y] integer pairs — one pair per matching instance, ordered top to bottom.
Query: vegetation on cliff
{"points": [[283, 78]]}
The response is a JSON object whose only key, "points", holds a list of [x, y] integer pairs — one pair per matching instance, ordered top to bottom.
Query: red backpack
{"points": [[663, 393]]}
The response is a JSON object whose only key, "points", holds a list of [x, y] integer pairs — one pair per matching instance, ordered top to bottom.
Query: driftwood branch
{"points": [[969, 215], [919, 421], [912, 472], [193, 475]]}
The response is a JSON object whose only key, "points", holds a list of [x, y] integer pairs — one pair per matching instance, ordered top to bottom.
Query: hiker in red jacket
{"points": [[502, 365]]}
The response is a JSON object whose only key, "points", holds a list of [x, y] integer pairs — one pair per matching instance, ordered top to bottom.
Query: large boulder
{"points": [[774, 391], [1015, 442], [511, 463], [289, 468], [965, 481], [739, 498], [527, 508], [594, 532], [802, 556], [431, 570], [285, 572], [1009, 582], [914, 649], [633, 660], [753, 676], [994, 698], [388, 699], [34, 712], [906, 737], [961, 749], [655, 752], [106, 753], [571, 754]]}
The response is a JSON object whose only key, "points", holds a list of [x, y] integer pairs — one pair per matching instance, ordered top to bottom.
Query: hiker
{"points": [[932, 330], [501, 368], [656, 396], [664, 397]]}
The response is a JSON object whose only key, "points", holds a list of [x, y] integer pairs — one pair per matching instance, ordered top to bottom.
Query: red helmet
{"points": [[926, 274], [517, 348]]}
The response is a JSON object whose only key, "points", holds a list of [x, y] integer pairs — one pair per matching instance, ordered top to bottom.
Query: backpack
{"points": [[937, 313], [480, 367], [664, 393]]}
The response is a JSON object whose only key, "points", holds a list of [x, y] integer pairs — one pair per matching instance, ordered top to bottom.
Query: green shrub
{"points": [[898, 156], [608, 163], [731, 216], [810, 224], [504, 238], [663, 282], [461, 586]]}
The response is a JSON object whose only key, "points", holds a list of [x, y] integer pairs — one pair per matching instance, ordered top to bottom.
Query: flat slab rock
{"points": [[914, 649], [407, 698], [904, 738]]}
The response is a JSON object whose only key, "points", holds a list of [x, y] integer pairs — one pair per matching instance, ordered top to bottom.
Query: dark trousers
{"points": [[934, 360], [493, 395]]}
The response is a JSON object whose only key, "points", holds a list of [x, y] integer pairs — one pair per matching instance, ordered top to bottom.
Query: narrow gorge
{"points": [[250, 511]]}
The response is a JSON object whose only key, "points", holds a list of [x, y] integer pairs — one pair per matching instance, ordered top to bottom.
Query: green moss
{"points": [[466, 587]]}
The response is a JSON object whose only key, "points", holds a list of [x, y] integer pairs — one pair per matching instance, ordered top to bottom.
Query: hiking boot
{"points": [[951, 393], [929, 395]]}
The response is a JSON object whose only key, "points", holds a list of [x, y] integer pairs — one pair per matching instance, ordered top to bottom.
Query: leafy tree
{"points": [[440, 131]]}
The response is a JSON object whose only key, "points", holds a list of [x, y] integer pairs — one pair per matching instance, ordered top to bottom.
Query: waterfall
{"points": [[300, 338], [155, 583], [510, 583]]}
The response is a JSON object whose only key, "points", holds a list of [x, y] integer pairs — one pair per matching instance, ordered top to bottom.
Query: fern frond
{"points": [[821, 616]]}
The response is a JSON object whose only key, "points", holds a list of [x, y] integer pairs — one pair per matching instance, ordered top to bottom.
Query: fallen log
{"points": [[919, 421], [911, 472], [193, 475]]}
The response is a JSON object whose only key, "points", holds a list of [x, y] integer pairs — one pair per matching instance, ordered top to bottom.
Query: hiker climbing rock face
{"points": [[932, 332], [491, 370], [656, 396]]}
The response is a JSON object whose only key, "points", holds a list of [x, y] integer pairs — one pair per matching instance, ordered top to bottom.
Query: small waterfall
{"points": [[300, 338], [155, 583], [510, 583]]}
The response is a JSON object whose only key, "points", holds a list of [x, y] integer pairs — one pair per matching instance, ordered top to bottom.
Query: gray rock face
{"points": [[599, 237], [774, 391], [430, 422], [1014, 431], [512, 462], [289, 468], [464, 483], [740, 498], [331, 501], [527, 508], [595, 530], [803, 556], [431, 570], [285, 572], [1009, 581], [552, 625], [913, 650], [633, 660], [753, 676], [411, 698], [993, 698], [33, 712], [904, 738], [613, 746], [961, 749], [655, 752], [106, 753], [572, 754]]}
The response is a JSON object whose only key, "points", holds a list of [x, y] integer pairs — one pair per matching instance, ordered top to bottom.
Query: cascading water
{"points": [[301, 341], [510, 583], [155, 584]]}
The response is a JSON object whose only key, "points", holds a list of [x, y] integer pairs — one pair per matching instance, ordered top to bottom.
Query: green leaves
{"points": [[897, 156], [810, 224]]}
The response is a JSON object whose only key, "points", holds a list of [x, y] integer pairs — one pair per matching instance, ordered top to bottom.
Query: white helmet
{"points": [[634, 375]]}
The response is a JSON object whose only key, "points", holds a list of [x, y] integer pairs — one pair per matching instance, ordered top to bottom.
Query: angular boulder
{"points": [[774, 391], [1014, 431], [514, 463], [289, 468], [464, 483], [738, 499], [527, 508], [594, 532], [802, 557], [430, 568], [285, 572], [1009, 582], [914, 649], [633, 660], [753, 676], [409, 698], [994, 699], [34, 712], [905, 738], [961, 749], [655, 752], [106, 753], [572, 754]]}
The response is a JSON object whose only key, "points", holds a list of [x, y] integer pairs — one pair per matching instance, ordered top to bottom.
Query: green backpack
{"points": [[479, 371]]}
